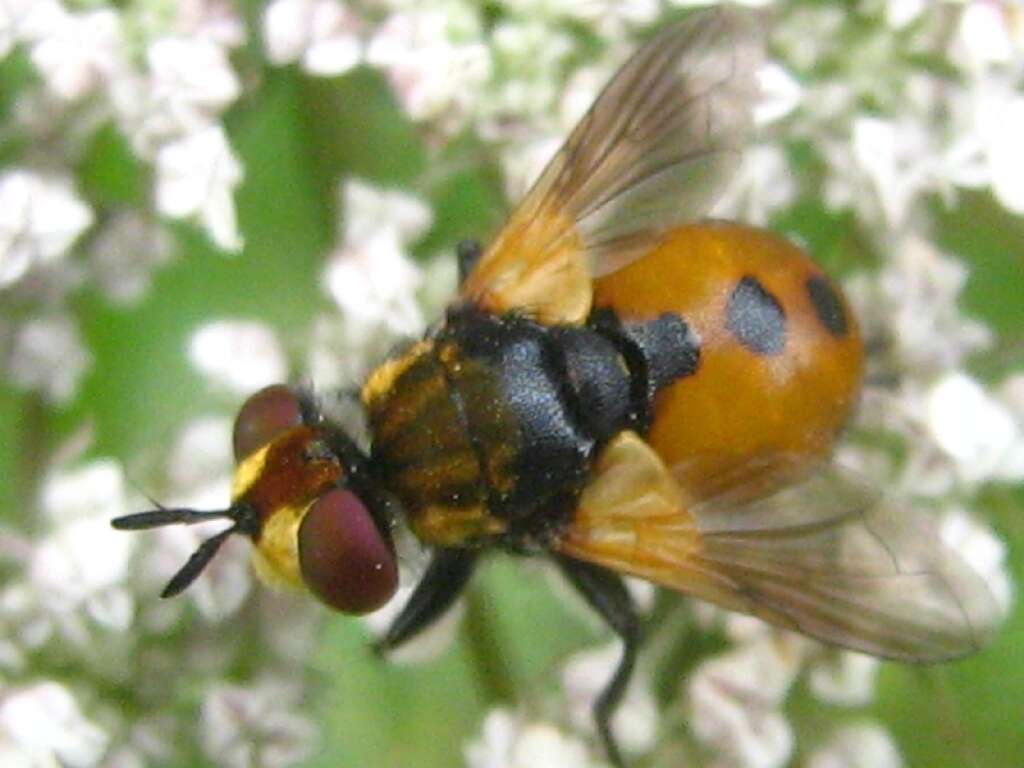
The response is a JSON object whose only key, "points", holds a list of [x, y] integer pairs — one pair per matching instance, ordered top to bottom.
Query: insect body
{"points": [[624, 388]]}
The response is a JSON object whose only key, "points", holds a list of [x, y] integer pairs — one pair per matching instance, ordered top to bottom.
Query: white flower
{"points": [[900, 13], [215, 20], [322, 34], [984, 36], [529, 50], [78, 52], [432, 60], [191, 77], [188, 82], [780, 93], [1005, 154], [896, 157], [524, 160], [197, 176], [763, 185], [368, 209], [40, 218], [124, 253], [369, 276], [917, 295], [48, 355], [240, 355], [974, 429], [200, 463], [89, 491], [982, 550], [80, 565], [585, 677], [844, 678], [735, 701], [42, 725], [255, 725], [511, 741], [863, 745]]}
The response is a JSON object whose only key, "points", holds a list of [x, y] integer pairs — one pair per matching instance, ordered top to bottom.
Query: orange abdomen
{"points": [[781, 354]]}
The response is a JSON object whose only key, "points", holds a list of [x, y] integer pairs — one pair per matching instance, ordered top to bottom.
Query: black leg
{"points": [[468, 253], [442, 583], [608, 596]]}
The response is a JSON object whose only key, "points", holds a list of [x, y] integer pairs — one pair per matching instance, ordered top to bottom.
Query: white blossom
{"points": [[901, 13], [218, 21], [322, 34], [983, 36], [77, 52], [433, 61], [190, 78], [780, 93], [1002, 125], [896, 158], [197, 176], [760, 187], [40, 218], [125, 252], [370, 276], [914, 300], [48, 355], [241, 355], [975, 430], [200, 462], [982, 550], [75, 572], [845, 678], [735, 701], [42, 725], [255, 725], [512, 741], [861, 745]]}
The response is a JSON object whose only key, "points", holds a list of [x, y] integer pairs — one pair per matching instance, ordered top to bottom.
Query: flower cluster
{"points": [[876, 147]]}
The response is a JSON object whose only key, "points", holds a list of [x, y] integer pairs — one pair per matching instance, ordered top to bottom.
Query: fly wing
{"points": [[654, 152], [824, 555], [832, 558]]}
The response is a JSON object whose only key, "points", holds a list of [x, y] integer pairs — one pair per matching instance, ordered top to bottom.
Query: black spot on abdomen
{"points": [[828, 306], [756, 318]]}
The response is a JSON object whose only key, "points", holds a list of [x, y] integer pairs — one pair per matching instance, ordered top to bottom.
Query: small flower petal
{"points": [[197, 176], [240, 355], [46, 726], [863, 745]]}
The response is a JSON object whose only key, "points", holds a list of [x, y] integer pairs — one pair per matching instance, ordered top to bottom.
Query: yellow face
{"points": [[281, 481]]}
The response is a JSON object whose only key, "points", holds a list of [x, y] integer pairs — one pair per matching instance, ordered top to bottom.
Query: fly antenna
{"points": [[243, 515], [163, 516], [196, 563]]}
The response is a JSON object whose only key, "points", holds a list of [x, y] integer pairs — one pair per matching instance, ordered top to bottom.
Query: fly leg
{"points": [[443, 581], [607, 595]]}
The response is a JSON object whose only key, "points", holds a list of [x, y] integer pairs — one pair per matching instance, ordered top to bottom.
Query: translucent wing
{"points": [[653, 152], [824, 555]]}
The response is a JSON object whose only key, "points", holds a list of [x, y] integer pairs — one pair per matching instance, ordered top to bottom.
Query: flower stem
{"points": [[485, 650]]}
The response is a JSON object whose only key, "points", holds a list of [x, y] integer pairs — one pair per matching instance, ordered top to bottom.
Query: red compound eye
{"points": [[265, 415], [345, 560]]}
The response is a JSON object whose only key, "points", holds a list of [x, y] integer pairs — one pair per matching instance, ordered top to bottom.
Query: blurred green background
{"points": [[299, 137]]}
